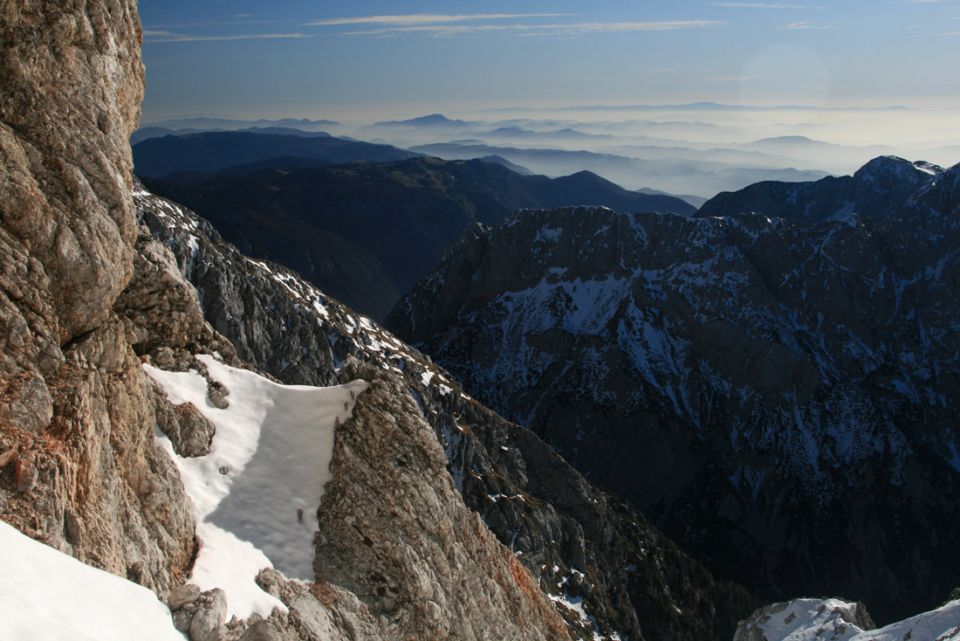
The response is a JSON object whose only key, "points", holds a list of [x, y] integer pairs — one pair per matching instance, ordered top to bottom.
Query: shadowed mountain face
{"points": [[217, 150], [878, 190], [365, 233], [777, 389]]}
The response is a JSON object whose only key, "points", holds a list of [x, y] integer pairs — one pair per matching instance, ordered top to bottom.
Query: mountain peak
{"points": [[430, 120], [899, 171]]}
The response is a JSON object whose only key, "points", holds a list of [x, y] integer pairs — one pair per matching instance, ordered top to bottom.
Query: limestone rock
{"points": [[75, 404], [189, 431], [182, 595], [210, 614]]}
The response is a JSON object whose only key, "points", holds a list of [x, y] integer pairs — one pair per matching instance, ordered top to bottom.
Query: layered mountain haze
{"points": [[215, 151], [702, 176], [770, 382]]}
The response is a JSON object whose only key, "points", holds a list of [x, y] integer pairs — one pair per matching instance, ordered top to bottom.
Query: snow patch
{"points": [[257, 492], [46, 595], [823, 620]]}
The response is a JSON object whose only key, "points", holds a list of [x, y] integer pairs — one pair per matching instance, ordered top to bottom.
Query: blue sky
{"points": [[372, 59]]}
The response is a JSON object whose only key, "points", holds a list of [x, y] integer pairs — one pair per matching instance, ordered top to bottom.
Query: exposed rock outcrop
{"points": [[86, 476]]}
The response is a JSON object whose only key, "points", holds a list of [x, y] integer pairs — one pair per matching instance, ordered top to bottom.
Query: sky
{"points": [[369, 59]]}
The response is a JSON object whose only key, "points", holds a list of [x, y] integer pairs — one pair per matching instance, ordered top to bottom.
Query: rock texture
{"points": [[774, 387], [81, 471], [589, 551], [814, 619]]}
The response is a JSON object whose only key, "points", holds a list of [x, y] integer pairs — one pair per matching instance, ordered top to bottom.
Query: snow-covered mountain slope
{"points": [[778, 394], [609, 573], [46, 595], [836, 620]]}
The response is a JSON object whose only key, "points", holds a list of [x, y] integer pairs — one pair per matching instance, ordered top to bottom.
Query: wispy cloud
{"points": [[762, 5], [428, 19], [806, 25], [556, 29], [154, 36], [729, 79]]}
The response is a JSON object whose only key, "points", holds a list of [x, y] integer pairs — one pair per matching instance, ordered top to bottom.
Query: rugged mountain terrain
{"points": [[217, 150], [879, 190], [366, 233], [87, 295], [775, 389], [133, 438], [610, 572], [836, 620]]}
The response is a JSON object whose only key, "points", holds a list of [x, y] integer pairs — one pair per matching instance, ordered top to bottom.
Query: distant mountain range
{"points": [[432, 120], [202, 123], [215, 151], [701, 177], [367, 232]]}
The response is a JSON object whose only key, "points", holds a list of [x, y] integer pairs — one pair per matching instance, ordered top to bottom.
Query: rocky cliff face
{"points": [[87, 296], [774, 388], [80, 470], [606, 570]]}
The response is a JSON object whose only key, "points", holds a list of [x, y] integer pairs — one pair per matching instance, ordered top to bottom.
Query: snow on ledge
{"points": [[257, 492], [46, 595], [828, 620]]}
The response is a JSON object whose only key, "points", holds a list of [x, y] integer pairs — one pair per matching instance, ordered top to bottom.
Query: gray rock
{"points": [[72, 82], [31, 406], [189, 431], [182, 595], [211, 613]]}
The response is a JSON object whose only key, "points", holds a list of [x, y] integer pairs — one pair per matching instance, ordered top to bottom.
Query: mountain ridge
{"points": [[368, 232], [737, 376]]}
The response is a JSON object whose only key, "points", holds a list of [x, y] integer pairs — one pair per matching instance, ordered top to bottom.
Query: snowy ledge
{"points": [[256, 493]]}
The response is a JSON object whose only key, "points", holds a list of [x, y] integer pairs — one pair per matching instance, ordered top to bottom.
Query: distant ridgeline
{"points": [[365, 232]]}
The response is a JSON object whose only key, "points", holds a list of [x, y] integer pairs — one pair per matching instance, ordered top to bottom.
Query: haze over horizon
{"points": [[371, 60]]}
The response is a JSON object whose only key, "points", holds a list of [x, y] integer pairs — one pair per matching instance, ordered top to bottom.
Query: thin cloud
{"points": [[761, 5], [428, 19], [806, 25], [575, 28], [152, 36], [729, 79]]}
